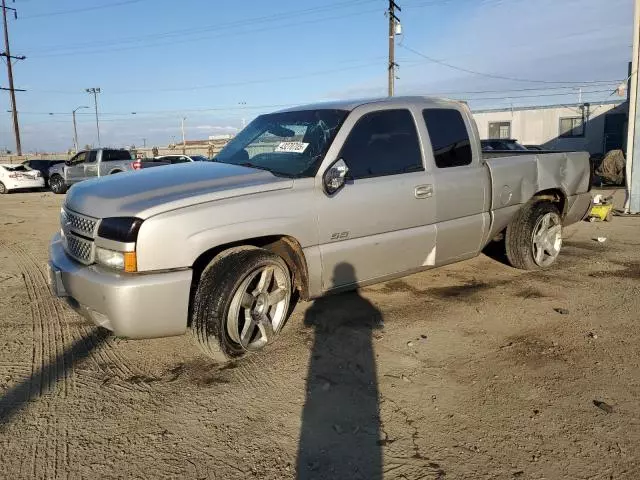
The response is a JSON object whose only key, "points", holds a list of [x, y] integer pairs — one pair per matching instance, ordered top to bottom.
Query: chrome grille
{"points": [[79, 223], [78, 232], [79, 248]]}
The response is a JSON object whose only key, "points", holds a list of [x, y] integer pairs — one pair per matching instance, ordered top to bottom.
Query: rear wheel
{"points": [[56, 183], [3, 189], [534, 236], [241, 303]]}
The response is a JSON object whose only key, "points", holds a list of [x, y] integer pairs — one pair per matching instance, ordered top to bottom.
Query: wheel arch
{"points": [[116, 170], [554, 195], [285, 246]]}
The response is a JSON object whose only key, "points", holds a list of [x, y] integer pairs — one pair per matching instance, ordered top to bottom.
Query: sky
{"points": [[219, 63]]}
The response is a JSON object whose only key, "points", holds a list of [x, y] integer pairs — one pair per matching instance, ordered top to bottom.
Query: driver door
{"points": [[91, 164], [75, 168], [382, 222]]}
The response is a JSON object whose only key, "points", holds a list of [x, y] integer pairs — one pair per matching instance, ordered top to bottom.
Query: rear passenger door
{"points": [[462, 184], [382, 221]]}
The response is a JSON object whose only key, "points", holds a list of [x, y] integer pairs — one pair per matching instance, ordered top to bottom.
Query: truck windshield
{"points": [[290, 144]]}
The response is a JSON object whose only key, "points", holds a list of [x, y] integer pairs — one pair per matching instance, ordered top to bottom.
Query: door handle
{"points": [[423, 191]]}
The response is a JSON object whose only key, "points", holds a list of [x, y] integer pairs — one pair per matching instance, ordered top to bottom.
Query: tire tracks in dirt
{"points": [[52, 332], [49, 334], [52, 372]]}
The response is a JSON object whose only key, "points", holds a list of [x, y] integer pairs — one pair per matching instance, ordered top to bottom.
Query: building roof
{"points": [[541, 107]]}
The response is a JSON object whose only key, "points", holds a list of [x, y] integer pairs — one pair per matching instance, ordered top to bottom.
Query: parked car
{"points": [[501, 144], [174, 159], [90, 164], [43, 167], [18, 177], [331, 197]]}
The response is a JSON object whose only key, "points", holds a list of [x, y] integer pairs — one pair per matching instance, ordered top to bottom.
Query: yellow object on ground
{"points": [[601, 212]]}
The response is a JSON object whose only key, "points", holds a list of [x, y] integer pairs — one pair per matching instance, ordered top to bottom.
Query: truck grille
{"points": [[79, 223], [78, 233], [79, 248]]}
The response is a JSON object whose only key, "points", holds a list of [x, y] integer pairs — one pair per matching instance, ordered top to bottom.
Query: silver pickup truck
{"points": [[90, 164], [301, 203]]}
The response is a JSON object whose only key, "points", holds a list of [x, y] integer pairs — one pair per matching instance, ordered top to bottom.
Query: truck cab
{"points": [[89, 164]]}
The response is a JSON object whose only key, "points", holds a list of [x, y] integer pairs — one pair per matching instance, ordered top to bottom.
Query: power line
{"points": [[80, 10], [181, 33], [490, 75]]}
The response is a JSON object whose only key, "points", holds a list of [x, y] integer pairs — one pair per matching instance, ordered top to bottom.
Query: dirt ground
{"points": [[471, 371]]}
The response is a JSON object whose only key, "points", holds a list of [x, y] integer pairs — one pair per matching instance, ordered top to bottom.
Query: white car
{"points": [[13, 177]]}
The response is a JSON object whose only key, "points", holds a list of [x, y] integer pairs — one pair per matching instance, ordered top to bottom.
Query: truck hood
{"points": [[149, 192]]}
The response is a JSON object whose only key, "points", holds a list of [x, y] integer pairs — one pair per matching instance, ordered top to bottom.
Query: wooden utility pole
{"points": [[392, 44], [12, 90]]}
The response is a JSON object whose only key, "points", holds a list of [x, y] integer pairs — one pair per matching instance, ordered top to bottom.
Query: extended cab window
{"points": [[449, 137], [383, 143], [116, 155], [92, 156]]}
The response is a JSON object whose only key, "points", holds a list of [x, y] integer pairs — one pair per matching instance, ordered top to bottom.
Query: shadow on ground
{"points": [[341, 419]]}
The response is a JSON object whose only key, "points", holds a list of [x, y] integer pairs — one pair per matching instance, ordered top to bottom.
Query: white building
{"points": [[596, 128]]}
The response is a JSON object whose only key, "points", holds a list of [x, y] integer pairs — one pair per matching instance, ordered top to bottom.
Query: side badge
{"points": [[339, 236]]}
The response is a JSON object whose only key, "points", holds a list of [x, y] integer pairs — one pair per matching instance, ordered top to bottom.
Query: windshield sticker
{"points": [[292, 147]]}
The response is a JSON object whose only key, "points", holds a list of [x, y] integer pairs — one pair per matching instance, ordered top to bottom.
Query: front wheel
{"points": [[56, 183], [534, 236], [241, 303]]}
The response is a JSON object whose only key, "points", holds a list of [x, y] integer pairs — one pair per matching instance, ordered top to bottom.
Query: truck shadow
{"points": [[44, 380], [341, 420]]}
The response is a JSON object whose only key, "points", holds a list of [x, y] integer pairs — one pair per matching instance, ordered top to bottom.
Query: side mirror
{"points": [[67, 163], [335, 177]]}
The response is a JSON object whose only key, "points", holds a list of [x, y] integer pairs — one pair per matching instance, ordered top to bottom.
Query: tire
{"points": [[115, 171], [56, 184], [3, 189], [525, 237], [221, 306]]}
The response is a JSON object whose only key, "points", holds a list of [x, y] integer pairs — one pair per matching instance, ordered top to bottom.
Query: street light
{"points": [[95, 92], [75, 130], [184, 143]]}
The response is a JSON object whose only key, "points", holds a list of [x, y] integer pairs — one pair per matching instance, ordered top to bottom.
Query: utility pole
{"points": [[392, 44], [12, 90], [95, 92], [75, 130], [144, 143], [184, 143], [632, 200]]}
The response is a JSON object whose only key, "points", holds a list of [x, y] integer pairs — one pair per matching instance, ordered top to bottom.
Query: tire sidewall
{"points": [[55, 183], [3, 189], [520, 232], [218, 285]]}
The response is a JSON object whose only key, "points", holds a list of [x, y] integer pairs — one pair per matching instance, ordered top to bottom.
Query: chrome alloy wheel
{"points": [[547, 239], [259, 307]]}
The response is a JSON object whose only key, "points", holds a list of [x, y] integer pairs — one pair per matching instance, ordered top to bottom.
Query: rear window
{"points": [[449, 137], [116, 155], [17, 168]]}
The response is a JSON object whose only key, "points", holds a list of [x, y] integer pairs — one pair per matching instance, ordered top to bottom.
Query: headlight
{"points": [[120, 229], [125, 261]]}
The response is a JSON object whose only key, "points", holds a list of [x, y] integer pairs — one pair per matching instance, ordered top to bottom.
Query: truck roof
{"points": [[399, 101]]}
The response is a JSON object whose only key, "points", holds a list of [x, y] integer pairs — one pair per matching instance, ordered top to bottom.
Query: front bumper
{"points": [[130, 305]]}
